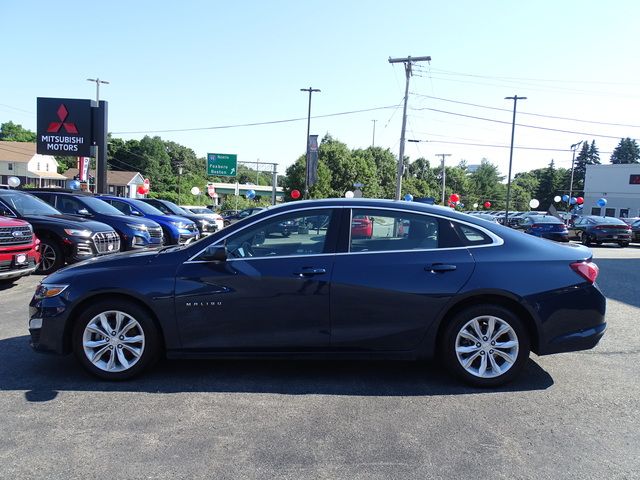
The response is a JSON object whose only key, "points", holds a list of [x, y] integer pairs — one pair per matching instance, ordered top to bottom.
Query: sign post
{"points": [[222, 164]]}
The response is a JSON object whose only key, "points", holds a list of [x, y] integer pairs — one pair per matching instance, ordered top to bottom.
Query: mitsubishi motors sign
{"points": [[64, 127]]}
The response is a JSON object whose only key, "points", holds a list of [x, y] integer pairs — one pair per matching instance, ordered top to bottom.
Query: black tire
{"points": [[585, 238], [624, 244], [52, 257], [482, 313], [141, 324]]}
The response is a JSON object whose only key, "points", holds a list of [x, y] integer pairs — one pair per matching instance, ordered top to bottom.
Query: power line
{"points": [[525, 113], [253, 124], [562, 150]]}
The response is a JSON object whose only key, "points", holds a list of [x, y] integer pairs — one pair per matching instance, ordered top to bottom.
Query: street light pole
{"points": [[408, 62], [515, 99], [373, 141], [573, 159], [306, 173], [444, 173], [97, 179], [179, 182]]}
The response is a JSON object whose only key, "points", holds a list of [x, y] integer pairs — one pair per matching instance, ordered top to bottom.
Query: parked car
{"points": [[204, 212], [484, 216], [231, 219], [630, 220], [206, 226], [361, 226], [545, 226], [595, 229], [176, 230], [635, 231], [135, 232], [63, 238], [19, 249], [479, 295]]}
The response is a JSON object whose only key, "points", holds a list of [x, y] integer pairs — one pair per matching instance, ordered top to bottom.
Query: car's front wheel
{"points": [[586, 239], [624, 244], [51, 257], [115, 340], [485, 345]]}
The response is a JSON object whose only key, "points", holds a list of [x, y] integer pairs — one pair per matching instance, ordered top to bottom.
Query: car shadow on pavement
{"points": [[614, 279], [43, 376]]}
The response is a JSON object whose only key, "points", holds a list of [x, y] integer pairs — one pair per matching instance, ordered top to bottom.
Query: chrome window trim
{"points": [[218, 242]]}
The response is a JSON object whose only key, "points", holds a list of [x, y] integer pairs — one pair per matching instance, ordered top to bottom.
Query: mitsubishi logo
{"points": [[54, 127]]}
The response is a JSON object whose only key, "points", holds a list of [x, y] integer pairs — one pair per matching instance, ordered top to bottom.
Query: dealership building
{"points": [[618, 184]]}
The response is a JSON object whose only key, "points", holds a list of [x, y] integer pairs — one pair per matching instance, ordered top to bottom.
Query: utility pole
{"points": [[407, 69], [98, 82], [515, 99], [373, 141], [573, 159], [258, 171], [444, 173], [306, 174]]}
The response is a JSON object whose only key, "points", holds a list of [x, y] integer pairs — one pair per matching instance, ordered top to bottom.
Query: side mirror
{"points": [[84, 212], [136, 213], [215, 253]]}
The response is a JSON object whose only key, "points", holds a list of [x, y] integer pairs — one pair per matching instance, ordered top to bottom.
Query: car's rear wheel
{"points": [[585, 238], [624, 244], [51, 256], [115, 340], [485, 345]]}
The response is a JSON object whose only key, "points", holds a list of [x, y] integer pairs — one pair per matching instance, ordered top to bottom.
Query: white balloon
{"points": [[13, 181], [195, 191], [348, 194], [557, 198], [534, 203], [475, 205]]}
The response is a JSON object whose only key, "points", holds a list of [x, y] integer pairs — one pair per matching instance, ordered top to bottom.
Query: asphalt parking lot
{"points": [[574, 415]]}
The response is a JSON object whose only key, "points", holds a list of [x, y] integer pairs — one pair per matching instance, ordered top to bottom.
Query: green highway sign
{"points": [[222, 164]]}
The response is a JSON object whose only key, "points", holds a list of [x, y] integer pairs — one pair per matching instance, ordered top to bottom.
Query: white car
{"points": [[204, 212]]}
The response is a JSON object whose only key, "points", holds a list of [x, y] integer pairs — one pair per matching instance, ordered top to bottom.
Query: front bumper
{"points": [[47, 325]]}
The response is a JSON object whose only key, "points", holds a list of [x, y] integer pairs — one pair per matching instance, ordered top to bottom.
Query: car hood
{"points": [[68, 221], [12, 222]]}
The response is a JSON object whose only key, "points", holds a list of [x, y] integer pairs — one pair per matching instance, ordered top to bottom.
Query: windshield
{"points": [[26, 204], [103, 208], [145, 208], [175, 209], [201, 210]]}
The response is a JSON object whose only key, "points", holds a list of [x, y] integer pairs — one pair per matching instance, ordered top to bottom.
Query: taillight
{"points": [[535, 225], [587, 270]]}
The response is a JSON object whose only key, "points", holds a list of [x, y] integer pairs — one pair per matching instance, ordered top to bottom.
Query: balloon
{"points": [[13, 181], [74, 184], [141, 190], [195, 191], [251, 194], [295, 194], [348, 194], [408, 197], [454, 197], [557, 198], [565, 198], [573, 200], [580, 200], [602, 202], [534, 203], [487, 204], [475, 205]]}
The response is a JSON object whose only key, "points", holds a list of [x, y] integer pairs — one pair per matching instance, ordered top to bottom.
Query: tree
{"points": [[12, 132], [627, 151], [588, 155], [486, 184]]}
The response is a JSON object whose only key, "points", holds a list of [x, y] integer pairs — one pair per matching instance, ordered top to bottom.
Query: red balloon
{"points": [[141, 190], [295, 194], [454, 197], [580, 200], [487, 204]]}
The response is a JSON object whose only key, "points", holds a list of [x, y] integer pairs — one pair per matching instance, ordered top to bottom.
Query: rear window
{"points": [[471, 236]]}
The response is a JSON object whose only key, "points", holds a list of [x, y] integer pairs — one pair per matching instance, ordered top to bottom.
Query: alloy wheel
{"points": [[48, 257], [486, 346]]}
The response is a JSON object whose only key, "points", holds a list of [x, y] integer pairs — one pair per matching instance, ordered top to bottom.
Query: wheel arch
{"points": [[112, 297], [491, 299]]}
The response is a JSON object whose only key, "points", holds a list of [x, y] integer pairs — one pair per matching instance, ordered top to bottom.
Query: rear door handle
{"points": [[439, 267], [310, 272]]}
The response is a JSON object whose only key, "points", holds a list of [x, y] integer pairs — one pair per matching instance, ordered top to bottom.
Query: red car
{"points": [[361, 227], [19, 249]]}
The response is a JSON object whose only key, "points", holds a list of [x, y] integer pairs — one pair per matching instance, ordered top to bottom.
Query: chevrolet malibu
{"points": [[428, 282]]}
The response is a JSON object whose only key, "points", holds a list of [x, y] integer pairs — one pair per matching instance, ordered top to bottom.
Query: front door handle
{"points": [[439, 267], [310, 272]]}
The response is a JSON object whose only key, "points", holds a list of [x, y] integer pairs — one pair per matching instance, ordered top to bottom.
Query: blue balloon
{"points": [[74, 184], [251, 194], [408, 197], [565, 198], [573, 201], [602, 202]]}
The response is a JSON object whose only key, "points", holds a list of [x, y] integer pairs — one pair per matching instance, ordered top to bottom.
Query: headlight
{"points": [[179, 224], [135, 226], [77, 233], [47, 291]]}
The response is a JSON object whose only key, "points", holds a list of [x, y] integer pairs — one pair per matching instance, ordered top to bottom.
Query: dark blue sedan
{"points": [[545, 226], [428, 281]]}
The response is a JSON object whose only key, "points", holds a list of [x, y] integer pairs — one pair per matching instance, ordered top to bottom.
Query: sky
{"points": [[182, 70]]}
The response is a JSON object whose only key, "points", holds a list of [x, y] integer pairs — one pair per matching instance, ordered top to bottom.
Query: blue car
{"points": [[545, 226], [177, 230], [135, 232], [427, 282]]}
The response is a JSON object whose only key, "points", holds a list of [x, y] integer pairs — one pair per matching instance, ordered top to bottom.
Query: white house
{"points": [[19, 159], [121, 184], [618, 184]]}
